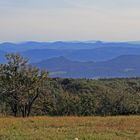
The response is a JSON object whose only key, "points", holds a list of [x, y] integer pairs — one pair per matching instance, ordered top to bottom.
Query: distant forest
{"points": [[28, 91]]}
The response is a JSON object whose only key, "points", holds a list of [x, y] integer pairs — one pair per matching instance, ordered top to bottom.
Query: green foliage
{"points": [[21, 84], [82, 97]]}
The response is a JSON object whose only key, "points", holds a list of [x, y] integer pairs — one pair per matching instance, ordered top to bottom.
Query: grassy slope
{"points": [[67, 128]]}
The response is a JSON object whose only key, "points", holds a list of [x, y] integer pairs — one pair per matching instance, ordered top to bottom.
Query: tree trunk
{"points": [[31, 103], [14, 109], [29, 109]]}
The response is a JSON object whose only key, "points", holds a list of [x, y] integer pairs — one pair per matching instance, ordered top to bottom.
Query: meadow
{"points": [[69, 128]]}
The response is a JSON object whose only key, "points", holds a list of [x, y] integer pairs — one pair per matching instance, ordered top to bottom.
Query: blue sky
{"points": [[50, 20]]}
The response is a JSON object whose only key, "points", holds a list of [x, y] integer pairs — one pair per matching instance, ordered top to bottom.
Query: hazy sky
{"points": [[49, 20]]}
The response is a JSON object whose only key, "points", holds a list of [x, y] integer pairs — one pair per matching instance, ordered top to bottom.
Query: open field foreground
{"points": [[68, 128]]}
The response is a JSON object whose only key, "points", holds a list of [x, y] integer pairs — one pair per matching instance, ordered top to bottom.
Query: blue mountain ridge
{"points": [[80, 59], [122, 66]]}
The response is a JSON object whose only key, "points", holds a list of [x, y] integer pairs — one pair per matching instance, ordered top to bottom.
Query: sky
{"points": [[53, 20]]}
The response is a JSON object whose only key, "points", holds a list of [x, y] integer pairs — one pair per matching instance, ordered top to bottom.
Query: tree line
{"points": [[28, 91]]}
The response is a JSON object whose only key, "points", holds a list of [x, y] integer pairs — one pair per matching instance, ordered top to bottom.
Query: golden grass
{"points": [[68, 128]]}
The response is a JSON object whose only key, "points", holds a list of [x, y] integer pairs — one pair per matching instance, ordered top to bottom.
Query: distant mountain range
{"points": [[89, 59], [122, 66]]}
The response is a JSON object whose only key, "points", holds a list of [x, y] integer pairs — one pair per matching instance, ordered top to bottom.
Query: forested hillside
{"points": [[86, 97], [90, 97]]}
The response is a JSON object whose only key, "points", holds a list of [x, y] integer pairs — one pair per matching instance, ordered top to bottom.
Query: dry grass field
{"points": [[68, 128]]}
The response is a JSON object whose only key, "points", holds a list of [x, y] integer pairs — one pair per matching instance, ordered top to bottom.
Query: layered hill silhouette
{"points": [[80, 51], [89, 59], [122, 66]]}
